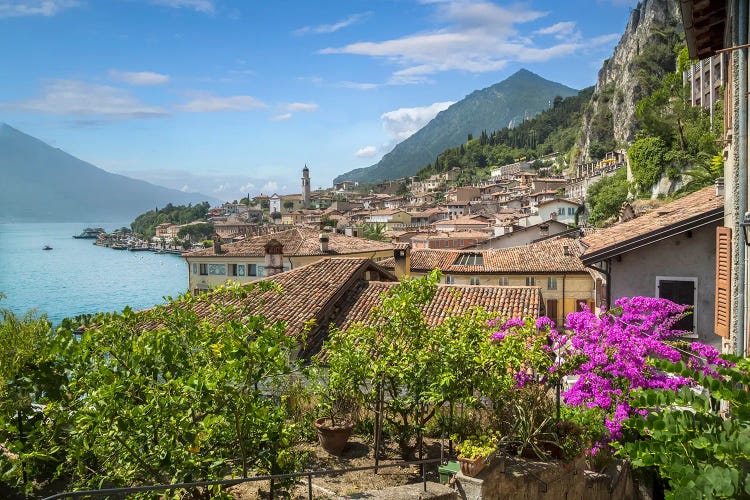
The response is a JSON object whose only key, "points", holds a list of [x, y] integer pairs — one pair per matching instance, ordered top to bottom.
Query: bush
{"points": [[647, 161]]}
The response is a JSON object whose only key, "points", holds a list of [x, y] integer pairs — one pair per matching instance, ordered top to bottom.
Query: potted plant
{"points": [[337, 400], [474, 453]]}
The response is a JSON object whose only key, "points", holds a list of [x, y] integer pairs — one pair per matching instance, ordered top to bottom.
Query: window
{"points": [[561, 211], [571, 211], [469, 259], [195, 268], [204, 269], [217, 269], [236, 270], [252, 270], [261, 271], [449, 280], [474, 281], [503, 281], [530, 281], [551, 283], [679, 291]]}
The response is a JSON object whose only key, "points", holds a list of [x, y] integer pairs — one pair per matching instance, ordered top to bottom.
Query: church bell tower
{"points": [[305, 187]]}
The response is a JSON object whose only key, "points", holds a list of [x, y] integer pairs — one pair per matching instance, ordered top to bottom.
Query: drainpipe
{"points": [[742, 177], [563, 313]]}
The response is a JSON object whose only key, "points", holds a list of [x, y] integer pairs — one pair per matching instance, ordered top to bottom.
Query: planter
{"points": [[332, 438], [471, 466]]}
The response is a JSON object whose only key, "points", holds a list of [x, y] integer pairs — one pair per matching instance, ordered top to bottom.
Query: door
{"points": [[680, 292], [552, 309]]}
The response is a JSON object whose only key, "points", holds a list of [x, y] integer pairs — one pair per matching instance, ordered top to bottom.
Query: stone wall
{"points": [[528, 480]]}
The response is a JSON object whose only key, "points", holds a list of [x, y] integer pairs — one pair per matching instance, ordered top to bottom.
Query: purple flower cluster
{"points": [[616, 347]]}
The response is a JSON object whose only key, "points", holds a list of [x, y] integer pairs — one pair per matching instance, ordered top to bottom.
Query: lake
{"points": [[77, 277]]}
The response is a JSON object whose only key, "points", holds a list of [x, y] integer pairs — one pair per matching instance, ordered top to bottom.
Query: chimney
{"points": [[720, 186], [543, 230], [323, 238], [217, 244], [566, 251], [274, 253], [402, 260]]}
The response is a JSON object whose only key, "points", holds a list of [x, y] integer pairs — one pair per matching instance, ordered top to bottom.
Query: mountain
{"points": [[644, 54], [520, 96], [45, 184]]}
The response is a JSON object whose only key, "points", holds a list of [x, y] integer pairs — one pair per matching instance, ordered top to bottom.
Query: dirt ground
{"points": [[358, 453]]}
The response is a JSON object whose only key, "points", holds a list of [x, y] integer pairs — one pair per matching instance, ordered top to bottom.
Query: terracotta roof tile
{"points": [[695, 204], [296, 241], [546, 256], [449, 300]]}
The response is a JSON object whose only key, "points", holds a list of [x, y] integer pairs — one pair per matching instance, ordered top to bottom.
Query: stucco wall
{"points": [[635, 272]]}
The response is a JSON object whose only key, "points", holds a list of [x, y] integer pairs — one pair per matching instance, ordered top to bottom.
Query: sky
{"points": [[228, 97]]}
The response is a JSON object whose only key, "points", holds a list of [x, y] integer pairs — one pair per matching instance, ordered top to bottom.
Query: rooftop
{"points": [[691, 211], [297, 241], [548, 256]]}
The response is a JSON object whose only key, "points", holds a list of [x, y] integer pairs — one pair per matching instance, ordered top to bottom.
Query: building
{"points": [[712, 26], [706, 79], [305, 187], [447, 239], [669, 252], [247, 261], [553, 265], [337, 292]]}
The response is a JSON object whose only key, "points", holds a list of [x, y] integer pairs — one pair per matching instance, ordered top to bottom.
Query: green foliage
{"points": [[553, 130], [647, 161], [606, 196], [145, 224], [203, 231], [375, 231], [31, 376], [156, 396], [478, 445], [700, 452]]}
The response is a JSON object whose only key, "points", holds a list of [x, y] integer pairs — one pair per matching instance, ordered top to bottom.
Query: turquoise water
{"points": [[77, 277]]}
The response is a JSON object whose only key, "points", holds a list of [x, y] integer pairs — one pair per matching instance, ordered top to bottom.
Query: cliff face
{"points": [[643, 56]]}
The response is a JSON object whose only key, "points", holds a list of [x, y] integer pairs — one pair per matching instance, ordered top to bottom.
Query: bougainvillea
{"points": [[611, 354]]}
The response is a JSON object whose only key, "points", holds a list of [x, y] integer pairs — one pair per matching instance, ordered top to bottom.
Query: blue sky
{"points": [[229, 97]]}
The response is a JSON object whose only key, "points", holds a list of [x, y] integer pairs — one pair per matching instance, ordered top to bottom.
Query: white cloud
{"points": [[205, 6], [47, 8], [331, 28], [561, 31], [474, 36], [138, 77], [357, 85], [81, 99], [207, 103], [301, 106], [282, 117], [403, 122], [366, 152], [269, 186], [247, 187], [185, 188]]}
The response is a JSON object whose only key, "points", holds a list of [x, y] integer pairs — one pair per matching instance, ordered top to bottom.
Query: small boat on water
{"points": [[46, 247]]}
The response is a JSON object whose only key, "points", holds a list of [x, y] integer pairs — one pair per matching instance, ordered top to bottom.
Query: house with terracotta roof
{"points": [[447, 239], [668, 252], [245, 261], [553, 265], [336, 291]]}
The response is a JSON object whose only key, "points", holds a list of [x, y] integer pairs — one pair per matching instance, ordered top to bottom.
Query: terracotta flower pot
{"points": [[333, 438], [471, 466]]}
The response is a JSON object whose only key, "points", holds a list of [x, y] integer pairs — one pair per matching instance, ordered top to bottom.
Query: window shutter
{"points": [[723, 281]]}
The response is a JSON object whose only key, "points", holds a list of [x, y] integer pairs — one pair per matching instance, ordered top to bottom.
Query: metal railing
{"points": [[233, 482]]}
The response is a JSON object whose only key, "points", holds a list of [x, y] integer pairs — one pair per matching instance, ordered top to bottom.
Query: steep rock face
{"points": [[643, 56]]}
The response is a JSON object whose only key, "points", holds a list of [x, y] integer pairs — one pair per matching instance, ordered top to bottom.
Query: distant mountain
{"points": [[522, 95], [45, 184]]}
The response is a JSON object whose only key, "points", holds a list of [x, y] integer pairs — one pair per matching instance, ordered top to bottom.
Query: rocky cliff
{"points": [[645, 53]]}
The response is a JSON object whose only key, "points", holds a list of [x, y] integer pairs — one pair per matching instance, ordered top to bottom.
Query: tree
{"points": [[606, 196], [289, 204], [375, 231], [197, 232]]}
